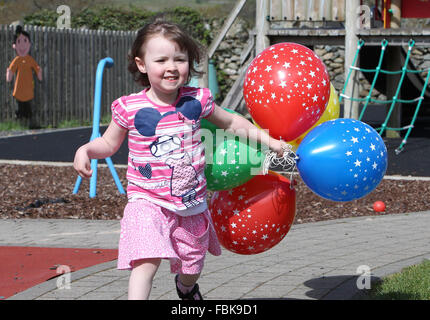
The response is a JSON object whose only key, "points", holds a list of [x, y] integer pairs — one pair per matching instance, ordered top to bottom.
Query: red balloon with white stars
{"points": [[286, 89], [255, 216]]}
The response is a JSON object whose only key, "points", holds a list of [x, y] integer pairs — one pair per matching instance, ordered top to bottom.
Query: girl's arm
{"points": [[11, 70], [37, 70], [39, 73], [9, 75], [242, 127], [99, 148]]}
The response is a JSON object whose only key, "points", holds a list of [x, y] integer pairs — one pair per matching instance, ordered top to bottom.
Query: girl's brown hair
{"points": [[171, 31]]}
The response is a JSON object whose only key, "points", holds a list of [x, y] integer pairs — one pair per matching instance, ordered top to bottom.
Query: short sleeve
{"points": [[14, 65], [34, 65], [208, 103], [119, 113]]}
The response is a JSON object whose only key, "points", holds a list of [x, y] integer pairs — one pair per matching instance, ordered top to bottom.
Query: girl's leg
{"points": [[141, 277], [189, 280], [187, 286]]}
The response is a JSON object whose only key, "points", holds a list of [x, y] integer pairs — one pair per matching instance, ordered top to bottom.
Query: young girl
{"points": [[167, 215]]}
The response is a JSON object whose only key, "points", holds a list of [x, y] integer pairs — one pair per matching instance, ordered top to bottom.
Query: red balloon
{"points": [[286, 89], [379, 206], [255, 216]]}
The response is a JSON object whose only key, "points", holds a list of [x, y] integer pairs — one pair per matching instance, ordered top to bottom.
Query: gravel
{"points": [[43, 191]]}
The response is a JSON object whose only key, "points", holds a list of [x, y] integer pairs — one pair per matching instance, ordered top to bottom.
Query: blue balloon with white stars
{"points": [[342, 159]]}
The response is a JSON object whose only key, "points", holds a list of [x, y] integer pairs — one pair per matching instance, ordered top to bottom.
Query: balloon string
{"points": [[287, 161]]}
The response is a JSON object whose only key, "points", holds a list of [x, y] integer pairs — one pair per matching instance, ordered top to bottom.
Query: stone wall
{"points": [[227, 56], [333, 58], [421, 58]]}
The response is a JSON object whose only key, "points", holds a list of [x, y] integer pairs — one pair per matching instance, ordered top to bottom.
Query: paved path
{"points": [[315, 260]]}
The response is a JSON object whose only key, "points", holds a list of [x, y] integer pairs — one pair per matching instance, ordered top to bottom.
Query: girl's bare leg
{"points": [[140, 283]]}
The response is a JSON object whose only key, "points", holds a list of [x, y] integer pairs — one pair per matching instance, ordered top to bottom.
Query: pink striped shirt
{"points": [[166, 159]]}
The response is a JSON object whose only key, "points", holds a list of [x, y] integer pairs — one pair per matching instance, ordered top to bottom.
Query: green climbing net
{"points": [[395, 99]]}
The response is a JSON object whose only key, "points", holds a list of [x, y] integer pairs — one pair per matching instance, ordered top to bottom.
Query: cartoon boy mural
{"points": [[23, 66]]}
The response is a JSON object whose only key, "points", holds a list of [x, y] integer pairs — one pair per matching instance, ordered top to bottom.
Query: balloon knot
{"points": [[286, 163]]}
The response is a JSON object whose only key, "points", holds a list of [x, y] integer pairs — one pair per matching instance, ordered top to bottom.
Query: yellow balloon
{"points": [[331, 112], [293, 143]]}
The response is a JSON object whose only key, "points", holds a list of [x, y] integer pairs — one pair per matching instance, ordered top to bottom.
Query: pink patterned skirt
{"points": [[150, 231]]}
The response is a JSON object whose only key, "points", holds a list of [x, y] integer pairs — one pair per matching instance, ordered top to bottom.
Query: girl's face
{"points": [[22, 45], [167, 68]]}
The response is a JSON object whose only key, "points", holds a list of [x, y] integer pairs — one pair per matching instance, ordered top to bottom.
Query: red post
{"points": [[387, 14]]}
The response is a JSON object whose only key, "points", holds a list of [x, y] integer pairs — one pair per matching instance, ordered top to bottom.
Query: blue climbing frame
{"points": [[106, 62]]}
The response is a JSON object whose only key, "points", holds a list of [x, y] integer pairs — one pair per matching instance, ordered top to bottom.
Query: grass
{"points": [[72, 124], [11, 126], [412, 283]]}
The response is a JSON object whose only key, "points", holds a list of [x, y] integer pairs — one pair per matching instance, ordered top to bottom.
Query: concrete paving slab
{"points": [[291, 270]]}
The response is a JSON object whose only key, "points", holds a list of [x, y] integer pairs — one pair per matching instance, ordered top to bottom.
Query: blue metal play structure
{"points": [[108, 62]]}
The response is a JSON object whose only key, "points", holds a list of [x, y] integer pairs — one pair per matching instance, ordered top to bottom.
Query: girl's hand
{"points": [[278, 146], [99, 148], [82, 163]]}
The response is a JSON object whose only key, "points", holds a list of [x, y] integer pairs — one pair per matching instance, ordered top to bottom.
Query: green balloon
{"points": [[230, 160]]}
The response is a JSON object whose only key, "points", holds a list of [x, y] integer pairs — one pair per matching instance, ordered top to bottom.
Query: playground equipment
{"points": [[343, 23], [106, 62], [212, 79], [396, 98]]}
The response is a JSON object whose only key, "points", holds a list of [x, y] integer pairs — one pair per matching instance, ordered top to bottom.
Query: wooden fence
{"points": [[307, 10], [69, 59]]}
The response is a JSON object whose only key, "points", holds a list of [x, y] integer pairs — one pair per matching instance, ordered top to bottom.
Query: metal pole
{"points": [[106, 62]]}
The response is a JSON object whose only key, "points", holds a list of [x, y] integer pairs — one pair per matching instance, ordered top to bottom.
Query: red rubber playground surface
{"points": [[24, 267]]}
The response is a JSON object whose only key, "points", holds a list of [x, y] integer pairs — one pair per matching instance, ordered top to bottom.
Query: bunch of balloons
{"points": [[288, 92], [230, 160], [256, 216]]}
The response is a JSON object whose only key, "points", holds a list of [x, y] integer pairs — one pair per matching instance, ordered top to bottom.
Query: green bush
{"points": [[44, 18], [110, 18], [192, 21]]}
